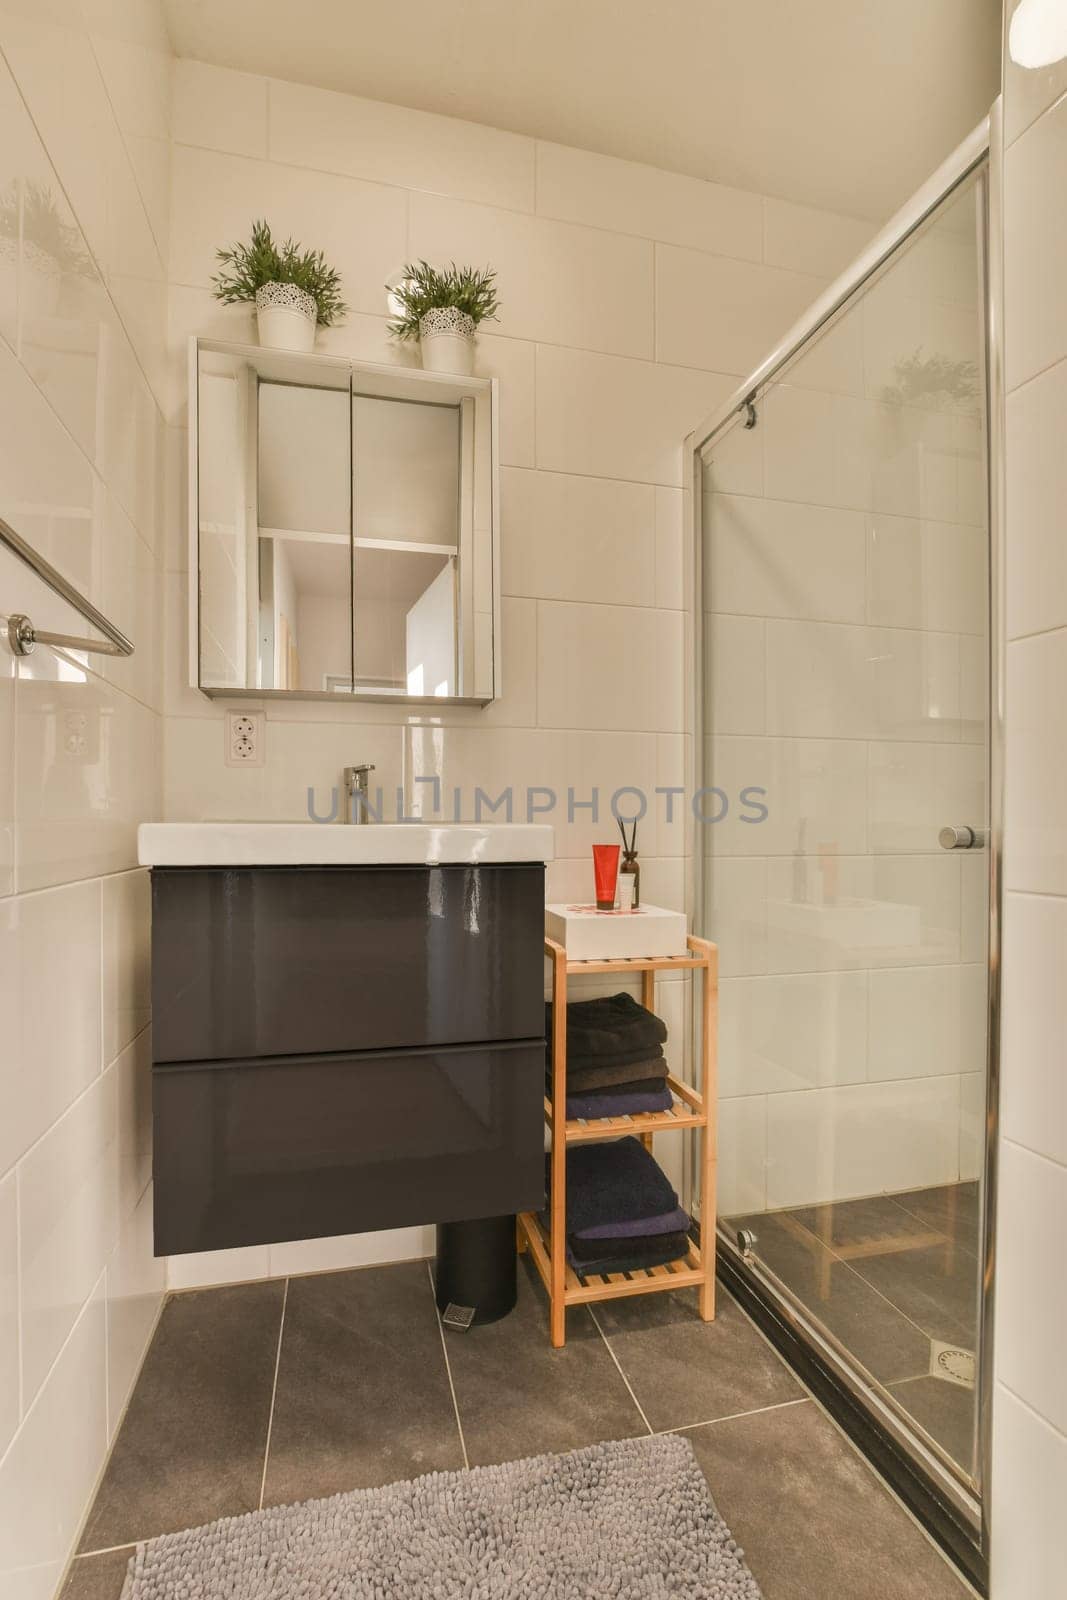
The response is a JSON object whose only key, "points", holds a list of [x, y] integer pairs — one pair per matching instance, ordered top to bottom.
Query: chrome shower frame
{"points": [[964, 1501]]}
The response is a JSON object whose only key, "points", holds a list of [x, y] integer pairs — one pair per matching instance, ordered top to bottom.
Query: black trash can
{"points": [[476, 1270]]}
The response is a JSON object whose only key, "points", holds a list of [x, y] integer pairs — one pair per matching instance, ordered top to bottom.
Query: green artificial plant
{"points": [[248, 267], [424, 288]]}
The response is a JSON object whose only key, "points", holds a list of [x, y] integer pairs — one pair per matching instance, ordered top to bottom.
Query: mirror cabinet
{"points": [[343, 526]]}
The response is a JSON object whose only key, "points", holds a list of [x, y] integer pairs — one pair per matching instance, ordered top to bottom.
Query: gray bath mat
{"points": [[632, 1520]]}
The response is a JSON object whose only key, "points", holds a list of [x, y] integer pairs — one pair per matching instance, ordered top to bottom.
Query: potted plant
{"points": [[51, 247], [293, 290], [442, 307]]}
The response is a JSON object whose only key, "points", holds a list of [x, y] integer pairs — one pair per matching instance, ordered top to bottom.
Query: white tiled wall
{"points": [[84, 135], [632, 301], [845, 559], [1029, 1488]]}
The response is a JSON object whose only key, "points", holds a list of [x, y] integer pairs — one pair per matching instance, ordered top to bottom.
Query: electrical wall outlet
{"points": [[244, 738]]}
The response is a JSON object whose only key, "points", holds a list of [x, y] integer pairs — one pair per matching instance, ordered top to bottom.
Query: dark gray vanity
{"points": [[342, 1044]]}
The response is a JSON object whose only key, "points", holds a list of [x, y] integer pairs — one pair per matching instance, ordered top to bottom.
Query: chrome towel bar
{"points": [[21, 633]]}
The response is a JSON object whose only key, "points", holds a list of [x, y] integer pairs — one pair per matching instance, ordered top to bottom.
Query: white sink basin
{"points": [[294, 844]]}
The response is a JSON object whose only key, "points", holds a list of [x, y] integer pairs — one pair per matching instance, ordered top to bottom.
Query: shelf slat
{"points": [[634, 964], [687, 1112], [640, 1122], [679, 1274], [614, 1286]]}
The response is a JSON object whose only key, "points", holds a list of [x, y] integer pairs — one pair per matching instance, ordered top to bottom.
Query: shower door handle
{"points": [[963, 838]]}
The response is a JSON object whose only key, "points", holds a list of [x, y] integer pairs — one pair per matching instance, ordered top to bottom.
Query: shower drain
{"points": [[948, 1361]]}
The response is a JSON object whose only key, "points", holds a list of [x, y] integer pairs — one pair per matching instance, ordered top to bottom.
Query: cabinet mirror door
{"points": [[406, 492]]}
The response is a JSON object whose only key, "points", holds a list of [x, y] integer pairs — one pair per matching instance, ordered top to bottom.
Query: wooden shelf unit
{"points": [[692, 1109]]}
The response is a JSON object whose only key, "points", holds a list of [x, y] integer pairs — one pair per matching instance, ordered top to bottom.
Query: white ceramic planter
{"points": [[286, 317], [446, 340]]}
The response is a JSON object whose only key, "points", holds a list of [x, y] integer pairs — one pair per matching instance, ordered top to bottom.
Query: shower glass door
{"points": [[846, 559]]}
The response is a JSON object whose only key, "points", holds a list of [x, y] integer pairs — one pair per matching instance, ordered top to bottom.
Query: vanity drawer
{"points": [[262, 961], [261, 1151]]}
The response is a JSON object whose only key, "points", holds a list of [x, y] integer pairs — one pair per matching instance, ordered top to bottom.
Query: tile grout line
{"points": [[448, 1368], [622, 1375], [273, 1395], [735, 1416]]}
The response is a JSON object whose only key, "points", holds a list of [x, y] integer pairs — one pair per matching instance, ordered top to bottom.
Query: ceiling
{"points": [[847, 104]]}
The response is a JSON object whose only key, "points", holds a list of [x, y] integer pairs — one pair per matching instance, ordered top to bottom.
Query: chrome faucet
{"points": [[357, 793]]}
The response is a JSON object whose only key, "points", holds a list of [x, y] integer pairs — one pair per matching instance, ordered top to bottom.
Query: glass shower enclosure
{"points": [[842, 517]]}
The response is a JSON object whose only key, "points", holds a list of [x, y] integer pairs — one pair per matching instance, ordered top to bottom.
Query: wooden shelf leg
{"points": [[710, 1088], [520, 1239], [557, 1307]]}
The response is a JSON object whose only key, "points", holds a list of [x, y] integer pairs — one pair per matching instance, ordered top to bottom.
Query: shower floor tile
{"points": [[954, 1210], [850, 1227], [886, 1275], [937, 1287], [881, 1337], [288, 1390], [945, 1410]]}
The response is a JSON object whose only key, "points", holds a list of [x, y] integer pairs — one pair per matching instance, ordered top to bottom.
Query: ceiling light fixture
{"points": [[1038, 33]]}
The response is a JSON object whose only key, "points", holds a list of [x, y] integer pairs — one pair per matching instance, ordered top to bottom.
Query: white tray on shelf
{"points": [[591, 935]]}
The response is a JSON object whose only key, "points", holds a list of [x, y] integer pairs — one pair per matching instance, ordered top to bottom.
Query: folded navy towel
{"points": [[607, 1025], [581, 1080], [627, 1104], [614, 1181], [676, 1221], [630, 1256]]}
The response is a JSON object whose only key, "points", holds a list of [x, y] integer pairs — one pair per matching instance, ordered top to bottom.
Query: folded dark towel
{"points": [[607, 1025], [619, 1058], [582, 1080], [635, 1086], [627, 1104], [614, 1181], [676, 1221], [633, 1255]]}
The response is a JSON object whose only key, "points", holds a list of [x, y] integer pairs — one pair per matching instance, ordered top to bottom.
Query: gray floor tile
{"points": [[953, 1210], [848, 1223], [937, 1288], [881, 1338], [683, 1370], [363, 1395], [519, 1397], [945, 1410], [191, 1446], [812, 1519], [97, 1577]]}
